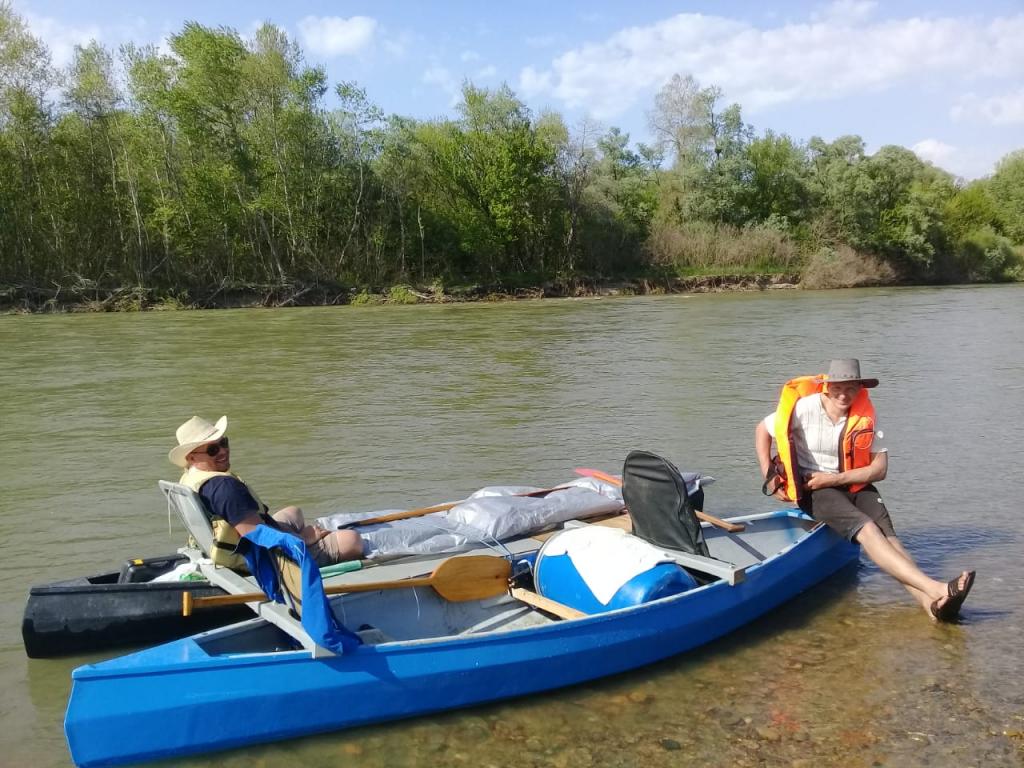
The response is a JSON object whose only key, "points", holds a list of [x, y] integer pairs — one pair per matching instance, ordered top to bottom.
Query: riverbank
{"points": [[21, 299]]}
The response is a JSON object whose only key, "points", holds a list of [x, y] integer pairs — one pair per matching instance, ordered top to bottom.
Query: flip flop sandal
{"points": [[949, 610]]}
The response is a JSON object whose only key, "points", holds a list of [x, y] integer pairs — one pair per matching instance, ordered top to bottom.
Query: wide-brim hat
{"points": [[848, 370], [194, 433]]}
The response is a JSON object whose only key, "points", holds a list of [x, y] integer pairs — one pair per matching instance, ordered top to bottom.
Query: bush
{"points": [[705, 248], [983, 255], [843, 267], [402, 294], [365, 298], [169, 303]]}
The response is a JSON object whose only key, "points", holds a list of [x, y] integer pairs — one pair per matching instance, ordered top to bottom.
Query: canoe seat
{"points": [[661, 508], [192, 513]]}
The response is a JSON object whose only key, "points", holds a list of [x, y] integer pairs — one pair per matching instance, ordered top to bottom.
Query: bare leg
{"points": [[291, 518], [327, 546], [336, 546], [889, 555], [917, 594]]}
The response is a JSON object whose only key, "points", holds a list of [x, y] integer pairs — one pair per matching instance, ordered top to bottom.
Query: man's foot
{"points": [[948, 608]]}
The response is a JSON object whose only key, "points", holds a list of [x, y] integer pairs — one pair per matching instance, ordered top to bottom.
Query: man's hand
{"points": [[818, 480]]}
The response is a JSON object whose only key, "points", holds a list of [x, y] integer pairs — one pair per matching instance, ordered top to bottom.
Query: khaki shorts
{"points": [[846, 512], [325, 550]]}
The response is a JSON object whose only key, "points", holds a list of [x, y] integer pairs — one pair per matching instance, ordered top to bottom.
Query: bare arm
{"points": [[763, 447], [873, 472], [248, 523]]}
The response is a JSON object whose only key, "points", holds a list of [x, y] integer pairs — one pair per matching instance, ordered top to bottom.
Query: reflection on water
{"points": [[351, 409]]}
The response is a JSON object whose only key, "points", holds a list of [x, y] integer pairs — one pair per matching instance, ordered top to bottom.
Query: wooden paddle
{"points": [[613, 480], [441, 508], [457, 579]]}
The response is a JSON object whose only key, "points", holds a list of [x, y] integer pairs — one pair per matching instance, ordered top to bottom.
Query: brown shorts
{"points": [[846, 512]]}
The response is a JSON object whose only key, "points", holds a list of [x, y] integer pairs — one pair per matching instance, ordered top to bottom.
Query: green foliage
{"points": [[218, 164], [489, 177], [777, 188], [1007, 189], [970, 209], [983, 255], [402, 294], [364, 299], [169, 304]]}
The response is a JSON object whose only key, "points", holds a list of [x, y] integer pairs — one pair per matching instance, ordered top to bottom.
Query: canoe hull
{"points": [[104, 611], [114, 715]]}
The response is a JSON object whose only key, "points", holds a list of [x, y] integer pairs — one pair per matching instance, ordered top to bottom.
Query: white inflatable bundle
{"points": [[493, 514]]}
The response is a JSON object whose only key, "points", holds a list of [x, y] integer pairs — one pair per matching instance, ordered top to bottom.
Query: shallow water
{"points": [[370, 408]]}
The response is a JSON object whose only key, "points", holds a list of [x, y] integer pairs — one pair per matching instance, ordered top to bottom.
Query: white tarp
{"points": [[493, 514]]}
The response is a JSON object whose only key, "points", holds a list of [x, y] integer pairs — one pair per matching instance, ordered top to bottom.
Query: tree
{"points": [[683, 120], [708, 148], [492, 175], [778, 185], [1007, 189], [970, 209], [30, 238]]}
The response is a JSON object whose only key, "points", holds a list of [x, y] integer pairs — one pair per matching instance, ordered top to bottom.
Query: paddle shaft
{"points": [[437, 508], [716, 521], [458, 579], [258, 597], [545, 604]]}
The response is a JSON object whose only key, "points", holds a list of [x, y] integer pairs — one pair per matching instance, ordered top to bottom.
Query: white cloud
{"points": [[331, 36], [60, 38], [398, 45], [842, 53], [470, 56], [487, 72], [438, 75], [445, 80], [532, 82], [1007, 109], [935, 152], [967, 162]]}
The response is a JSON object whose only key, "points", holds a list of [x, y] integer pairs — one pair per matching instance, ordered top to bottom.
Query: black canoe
{"points": [[120, 608]]}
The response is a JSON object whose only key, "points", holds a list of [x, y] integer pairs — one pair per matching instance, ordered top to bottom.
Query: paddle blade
{"points": [[474, 577]]}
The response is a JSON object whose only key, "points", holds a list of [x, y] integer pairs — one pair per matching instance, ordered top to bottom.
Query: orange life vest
{"points": [[854, 443]]}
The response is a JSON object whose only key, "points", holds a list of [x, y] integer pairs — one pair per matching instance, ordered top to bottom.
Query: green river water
{"points": [[398, 407]]}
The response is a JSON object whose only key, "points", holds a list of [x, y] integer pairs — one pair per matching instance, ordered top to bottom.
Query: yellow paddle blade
{"points": [[473, 577]]}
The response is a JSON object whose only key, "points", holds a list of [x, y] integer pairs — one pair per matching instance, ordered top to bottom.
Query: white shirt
{"points": [[816, 437]]}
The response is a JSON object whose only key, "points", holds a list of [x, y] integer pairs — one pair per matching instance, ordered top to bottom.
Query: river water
{"points": [[398, 407]]}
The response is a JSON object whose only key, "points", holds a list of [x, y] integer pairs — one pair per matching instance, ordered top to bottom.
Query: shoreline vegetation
{"points": [[225, 170], [86, 298]]}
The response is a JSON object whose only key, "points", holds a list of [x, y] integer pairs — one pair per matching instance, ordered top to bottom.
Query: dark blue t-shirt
{"points": [[229, 498]]}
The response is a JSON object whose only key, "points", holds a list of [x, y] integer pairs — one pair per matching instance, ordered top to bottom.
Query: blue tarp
{"points": [[317, 618]]}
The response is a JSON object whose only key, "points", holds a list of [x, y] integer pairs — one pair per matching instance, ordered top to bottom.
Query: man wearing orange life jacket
{"points": [[830, 452]]}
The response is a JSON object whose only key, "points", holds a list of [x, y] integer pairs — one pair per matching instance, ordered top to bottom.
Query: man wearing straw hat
{"points": [[204, 453], [830, 454]]}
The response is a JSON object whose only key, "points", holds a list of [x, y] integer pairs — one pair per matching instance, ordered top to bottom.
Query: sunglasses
{"points": [[214, 448]]}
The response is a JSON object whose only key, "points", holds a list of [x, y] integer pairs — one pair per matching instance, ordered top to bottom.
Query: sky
{"points": [[943, 78]]}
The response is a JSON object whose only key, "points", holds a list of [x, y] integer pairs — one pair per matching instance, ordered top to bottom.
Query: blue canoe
{"points": [[422, 655]]}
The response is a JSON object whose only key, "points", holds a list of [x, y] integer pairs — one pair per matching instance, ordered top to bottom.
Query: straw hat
{"points": [[848, 370], [194, 433]]}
